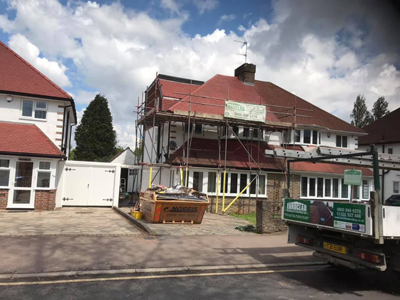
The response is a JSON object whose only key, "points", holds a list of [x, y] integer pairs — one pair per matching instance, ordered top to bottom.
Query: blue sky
{"points": [[326, 52]]}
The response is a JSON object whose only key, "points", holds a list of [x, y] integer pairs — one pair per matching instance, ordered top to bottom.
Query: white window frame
{"points": [[34, 108], [301, 131], [341, 141], [38, 170], [9, 172], [324, 177], [398, 187], [228, 192]]}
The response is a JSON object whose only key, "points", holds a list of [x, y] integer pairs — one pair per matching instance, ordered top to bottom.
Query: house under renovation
{"points": [[213, 136]]}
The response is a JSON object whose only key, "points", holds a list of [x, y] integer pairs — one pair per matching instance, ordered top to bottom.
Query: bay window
{"points": [[307, 137], [4, 172], [44, 175], [212, 179], [198, 181], [234, 183], [327, 187]]}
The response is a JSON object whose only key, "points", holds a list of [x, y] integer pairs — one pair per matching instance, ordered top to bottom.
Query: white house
{"points": [[35, 133], [385, 134]]}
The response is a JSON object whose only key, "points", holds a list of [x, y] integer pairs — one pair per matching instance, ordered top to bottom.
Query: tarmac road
{"points": [[318, 282]]}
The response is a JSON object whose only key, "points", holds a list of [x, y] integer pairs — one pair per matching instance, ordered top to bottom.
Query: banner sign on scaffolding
{"points": [[245, 111], [340, 215]]}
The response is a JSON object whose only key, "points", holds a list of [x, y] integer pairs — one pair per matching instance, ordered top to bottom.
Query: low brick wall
{"points": [[3, 198], [45, 199], [241, 206]]}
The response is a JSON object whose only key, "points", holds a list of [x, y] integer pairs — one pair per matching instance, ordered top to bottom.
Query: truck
{"points": [[345, 233]]}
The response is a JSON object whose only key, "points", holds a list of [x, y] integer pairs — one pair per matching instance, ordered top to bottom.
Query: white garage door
{"points": [[88, 185]]}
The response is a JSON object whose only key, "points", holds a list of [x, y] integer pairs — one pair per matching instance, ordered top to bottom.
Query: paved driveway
{"points": [[67, 221]]}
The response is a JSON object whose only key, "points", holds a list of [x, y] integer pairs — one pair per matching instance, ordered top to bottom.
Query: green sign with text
{"points": [[352, 177]]}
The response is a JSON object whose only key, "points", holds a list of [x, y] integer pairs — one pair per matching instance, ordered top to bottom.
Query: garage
{"points": [[88, 184]]}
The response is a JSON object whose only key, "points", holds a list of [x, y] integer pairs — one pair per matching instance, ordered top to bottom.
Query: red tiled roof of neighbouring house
{"points": [[20, 77], [383, 131], [26, 139], [204, 152], [327, 168]]}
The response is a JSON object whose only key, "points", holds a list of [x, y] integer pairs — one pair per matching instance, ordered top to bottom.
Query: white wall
{"points": [[52, 126], [125, 158], [391, 176]]}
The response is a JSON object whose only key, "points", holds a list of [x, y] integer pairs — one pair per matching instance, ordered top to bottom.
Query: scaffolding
{"points": [[150, 116]]}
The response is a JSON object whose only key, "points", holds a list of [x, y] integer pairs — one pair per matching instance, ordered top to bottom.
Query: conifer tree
{"points": [[95, 136]]}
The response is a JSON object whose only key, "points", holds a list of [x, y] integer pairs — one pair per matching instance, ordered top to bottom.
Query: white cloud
{"points": [[170, 5], [204, 5], [227, 18], [117, 52], [54, 70], [84, 97]]}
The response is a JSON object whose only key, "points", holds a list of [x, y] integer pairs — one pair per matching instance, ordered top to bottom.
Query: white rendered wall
{"points": [[52, 126]]}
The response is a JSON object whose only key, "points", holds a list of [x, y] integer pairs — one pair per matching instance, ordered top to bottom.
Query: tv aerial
{"points": [[244, 43]]}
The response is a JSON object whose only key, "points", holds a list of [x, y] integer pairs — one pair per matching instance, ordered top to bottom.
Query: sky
{"points": [[326, 52]]}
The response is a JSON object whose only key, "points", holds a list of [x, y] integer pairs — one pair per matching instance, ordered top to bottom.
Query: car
{"points": [[393, 200]]}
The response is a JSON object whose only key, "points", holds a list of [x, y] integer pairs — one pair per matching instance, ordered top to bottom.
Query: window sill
{"points": [[33, 119], [4, 187], [43, 189]]}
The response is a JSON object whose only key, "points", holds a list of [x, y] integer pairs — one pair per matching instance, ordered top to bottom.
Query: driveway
{"points": [[66, 221]]}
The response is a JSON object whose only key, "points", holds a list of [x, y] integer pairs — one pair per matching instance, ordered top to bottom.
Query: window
{"points": [[35, 109], [198, 129], [235, 130], [246, 132], [255, 133], [297, 135], [307, 136], [315, 137], [341, 141], [390, 150], [4, 172], [44, 174], [212, 179], [198, 181], [243, 181], [234, 182], [222, 183], [253, 184], [261, 184], [304, 187], [312, 187], [320, 187], [327, 187], [396, 187], [335, 188], [365, 189], [345, 190], [356, 192]]}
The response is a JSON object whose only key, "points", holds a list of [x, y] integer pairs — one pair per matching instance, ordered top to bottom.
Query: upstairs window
{"points": [[34, 109], [198, 129], [246, 132], [297, 135], [307, 136], [341, 141], [390, 150]]}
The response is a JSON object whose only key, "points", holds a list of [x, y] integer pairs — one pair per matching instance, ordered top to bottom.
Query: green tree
{"points": [[380, 108], [360, 116], [95, 136], [138, 151], [72, 154]]}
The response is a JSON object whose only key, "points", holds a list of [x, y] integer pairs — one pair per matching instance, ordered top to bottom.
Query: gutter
{"points": [[32, 154]]}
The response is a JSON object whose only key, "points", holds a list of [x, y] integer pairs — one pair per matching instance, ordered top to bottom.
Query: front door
{"points": [[21, 193]]}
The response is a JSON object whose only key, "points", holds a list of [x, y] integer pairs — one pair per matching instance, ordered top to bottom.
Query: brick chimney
{"points": [[246, 73]]}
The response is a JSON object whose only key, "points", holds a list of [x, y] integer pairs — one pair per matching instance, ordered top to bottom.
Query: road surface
{"points": [[318, 282]]}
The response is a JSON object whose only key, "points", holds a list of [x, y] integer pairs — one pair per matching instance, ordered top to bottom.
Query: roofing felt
{"points": [[18, 76], [210, 97], [382, 131], [26, 139]]}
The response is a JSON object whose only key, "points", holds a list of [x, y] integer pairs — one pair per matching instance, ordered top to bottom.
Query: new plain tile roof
{"points": [[18, 76], [210, 97], [26, 139]]}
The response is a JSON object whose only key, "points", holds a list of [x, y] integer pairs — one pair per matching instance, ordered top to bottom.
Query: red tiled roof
{"points": [[18, 76], [222, 87], [383, 131], [26, 139], [204, 152], [327, 168]]}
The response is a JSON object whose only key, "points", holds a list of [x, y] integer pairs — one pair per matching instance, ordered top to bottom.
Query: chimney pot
{"points": [[246, 73]]}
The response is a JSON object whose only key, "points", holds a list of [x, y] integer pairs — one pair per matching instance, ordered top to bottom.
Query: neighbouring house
{"points": [[35, 134], [386, 136], [208, 147]]}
